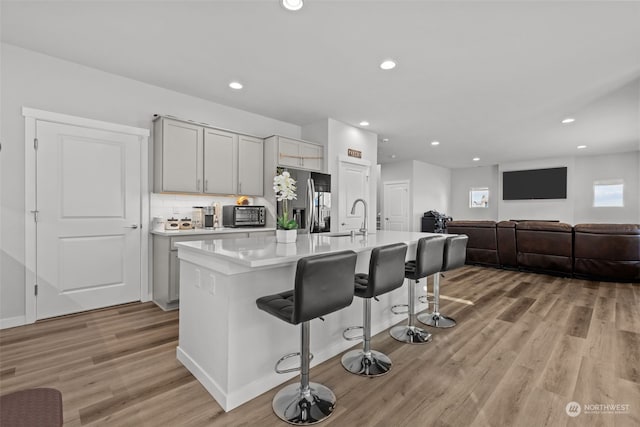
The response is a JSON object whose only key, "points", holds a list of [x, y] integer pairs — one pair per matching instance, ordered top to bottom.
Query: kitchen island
{"points": [[166, 266], [228, 344]]}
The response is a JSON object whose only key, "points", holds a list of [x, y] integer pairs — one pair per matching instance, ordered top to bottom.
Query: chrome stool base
{"points": [[436, 320], [410, 334], [374, 365], [294, 406]]}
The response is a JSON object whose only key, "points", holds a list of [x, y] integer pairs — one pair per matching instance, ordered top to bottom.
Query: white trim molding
{"points": [[32, 116], [48, 116], [354, 160], [12, 322]]}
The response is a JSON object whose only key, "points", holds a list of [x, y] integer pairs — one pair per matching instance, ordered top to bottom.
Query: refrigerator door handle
{"points": [[312, 191]]}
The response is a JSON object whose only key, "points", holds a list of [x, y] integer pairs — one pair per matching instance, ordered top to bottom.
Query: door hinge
{"points": [[35, 143], [35, 289]]}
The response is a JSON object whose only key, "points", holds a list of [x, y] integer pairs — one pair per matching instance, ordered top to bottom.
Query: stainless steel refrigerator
{"points": [[312, 208]]}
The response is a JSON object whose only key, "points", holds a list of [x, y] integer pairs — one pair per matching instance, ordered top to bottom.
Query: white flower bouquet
{"points": [[285, 189]]}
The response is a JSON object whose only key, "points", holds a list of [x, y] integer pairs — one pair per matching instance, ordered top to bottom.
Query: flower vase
{"points": [[286, 236]]}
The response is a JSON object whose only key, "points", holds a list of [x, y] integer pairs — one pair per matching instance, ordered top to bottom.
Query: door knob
{"points": [[344, 223], [134, 226]]}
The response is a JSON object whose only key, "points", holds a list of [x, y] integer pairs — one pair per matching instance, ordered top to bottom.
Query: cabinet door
{"points": [[288, 152], [181, 157], [312, 157], [220, 162], [250, 164], [174, 276]]}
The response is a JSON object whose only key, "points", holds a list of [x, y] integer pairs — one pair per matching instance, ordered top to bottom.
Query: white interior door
{"points": [[353, 184], [88, 189], [396, 206]]}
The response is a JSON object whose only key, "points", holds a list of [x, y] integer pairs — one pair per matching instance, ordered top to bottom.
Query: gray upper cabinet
{"points": [[288, 152], [298, 154], [178, 156], [311, 156], [198, 159], [220, 161], [250, 165]]}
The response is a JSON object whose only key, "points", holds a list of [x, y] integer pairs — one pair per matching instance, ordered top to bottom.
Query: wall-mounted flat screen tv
{"points": [[535, 184]]}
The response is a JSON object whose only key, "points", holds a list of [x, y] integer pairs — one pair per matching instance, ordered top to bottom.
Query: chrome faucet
{"points": [[363, 229]]}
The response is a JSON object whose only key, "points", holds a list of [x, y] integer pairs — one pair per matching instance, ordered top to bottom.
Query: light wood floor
{"points": [[525, 346]]}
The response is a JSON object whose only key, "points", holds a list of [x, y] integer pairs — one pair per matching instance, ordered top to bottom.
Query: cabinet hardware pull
{"points": [[198, 184], [206, 185], [240, 187], [134, 226]]}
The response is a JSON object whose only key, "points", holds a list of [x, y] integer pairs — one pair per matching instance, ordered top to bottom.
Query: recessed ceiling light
{"points": [[292, 4], [388, 64], [235, 85], [568, 120], [364, 123], [385, 139], [435, 143], [580, 147], [393, 156], [475, 159]]}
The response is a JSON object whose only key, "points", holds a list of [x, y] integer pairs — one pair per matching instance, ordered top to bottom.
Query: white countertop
{"points": [[204, 231], [265, 251]]}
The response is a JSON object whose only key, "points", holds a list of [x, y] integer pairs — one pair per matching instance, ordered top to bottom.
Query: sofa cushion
{"points": [[544, 226], [482, 246], [545, 246], [607, 251], [507, 253]]}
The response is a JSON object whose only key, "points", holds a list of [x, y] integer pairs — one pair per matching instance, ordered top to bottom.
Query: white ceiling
{"points": [[486, 79]]}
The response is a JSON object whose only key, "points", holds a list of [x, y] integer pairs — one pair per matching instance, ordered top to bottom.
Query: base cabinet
{"points": [[166, 265]]}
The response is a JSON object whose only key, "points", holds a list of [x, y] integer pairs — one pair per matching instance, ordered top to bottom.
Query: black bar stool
{"points": [[455, 255], [428, 261], [386, 273], [323, 284]]}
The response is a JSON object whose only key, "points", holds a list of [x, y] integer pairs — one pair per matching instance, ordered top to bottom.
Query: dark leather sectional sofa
{"points": [[590, 251]]}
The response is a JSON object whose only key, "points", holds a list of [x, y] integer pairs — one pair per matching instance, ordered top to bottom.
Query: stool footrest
{"points": [[424, 299], [394, 308], [436, 320], [349, 329], [288, 356]]}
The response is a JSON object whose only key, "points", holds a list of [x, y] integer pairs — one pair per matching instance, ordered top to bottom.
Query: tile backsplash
{"points": [[181, 205]]}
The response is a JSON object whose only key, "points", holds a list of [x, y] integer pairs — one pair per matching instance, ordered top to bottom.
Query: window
{"points": [[608, 193], [479, 198]]}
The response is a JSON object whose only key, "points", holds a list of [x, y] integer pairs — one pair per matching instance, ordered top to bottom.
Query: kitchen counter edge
{"points": [[204, 232]]}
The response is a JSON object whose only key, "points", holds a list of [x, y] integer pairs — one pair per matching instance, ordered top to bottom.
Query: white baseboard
{"points": [[12, 322], [209, 383]]}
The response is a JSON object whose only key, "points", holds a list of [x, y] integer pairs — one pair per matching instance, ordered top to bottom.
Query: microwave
{"points": [[243, 216]]}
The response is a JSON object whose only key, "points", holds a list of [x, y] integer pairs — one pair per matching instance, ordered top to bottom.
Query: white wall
{"points": [[38, 81], [337, 137], [341, 137], [588, 169], [398, 171], [462, 181], [431, 189], [577, 208], [552, 209]]}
